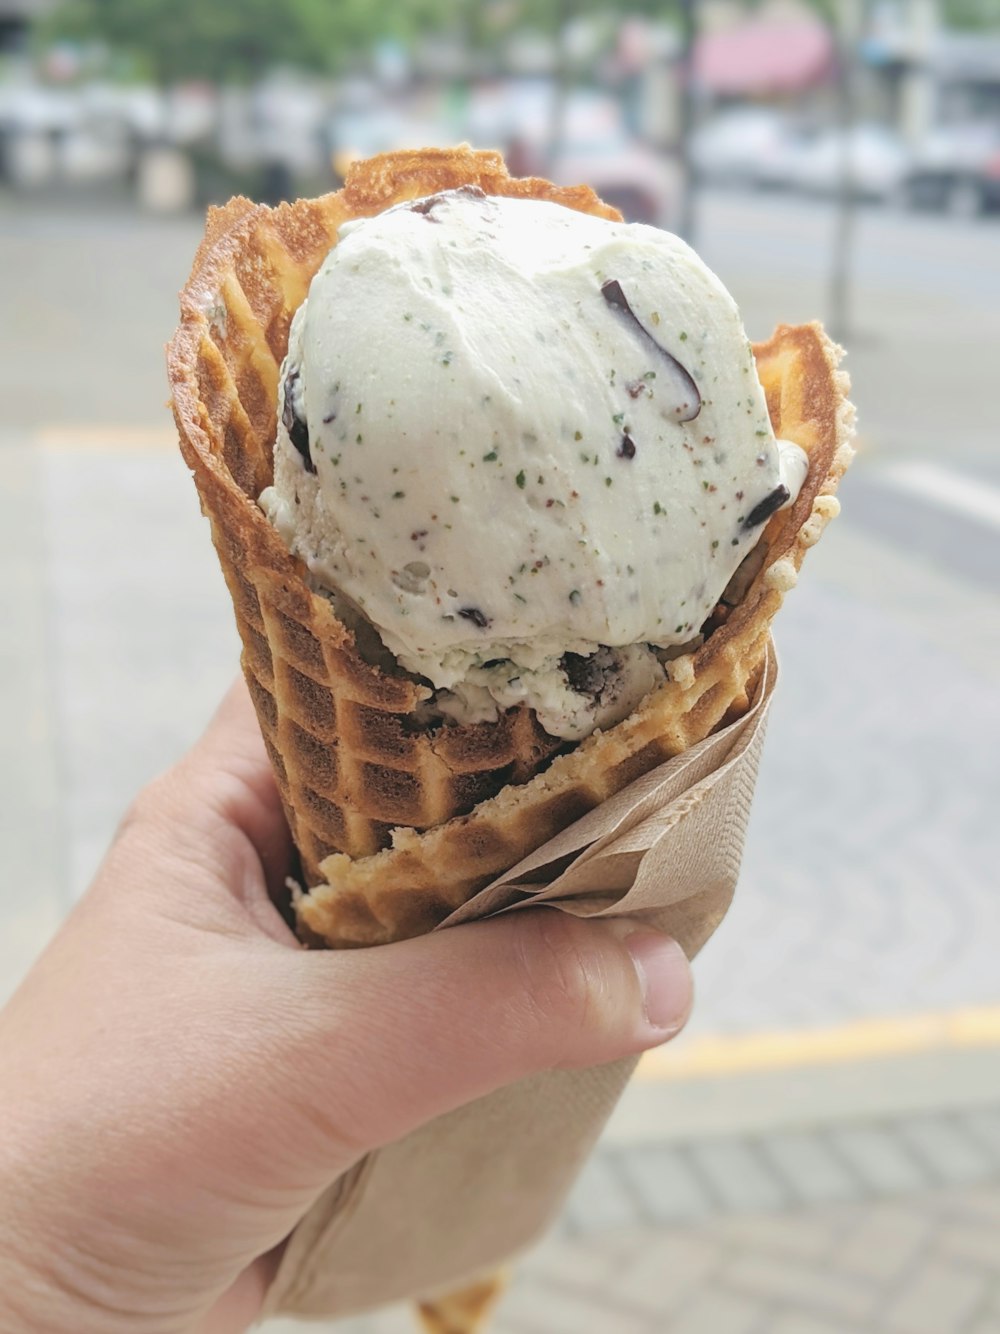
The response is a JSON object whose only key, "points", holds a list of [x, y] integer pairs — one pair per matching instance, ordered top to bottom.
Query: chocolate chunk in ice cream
{"points": [[689, 404], [293, 419], [768, 506]]}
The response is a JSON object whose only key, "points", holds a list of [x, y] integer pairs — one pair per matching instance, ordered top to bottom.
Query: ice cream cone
{"points": [[396, 824]]}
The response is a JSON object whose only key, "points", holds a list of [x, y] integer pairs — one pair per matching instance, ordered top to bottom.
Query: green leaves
{"points": [[972, 13], [238, 40], [226, 41]]}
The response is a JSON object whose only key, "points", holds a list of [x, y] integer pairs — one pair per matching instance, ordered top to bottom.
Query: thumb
{"points": [[390, 1037]]}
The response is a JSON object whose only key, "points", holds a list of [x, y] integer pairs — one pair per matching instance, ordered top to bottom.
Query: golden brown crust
{"points": [[404, 824]]}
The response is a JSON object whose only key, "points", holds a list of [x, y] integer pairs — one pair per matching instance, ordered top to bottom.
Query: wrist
{"points": [[53, 1275], [61, 1294], [27, 1299]]}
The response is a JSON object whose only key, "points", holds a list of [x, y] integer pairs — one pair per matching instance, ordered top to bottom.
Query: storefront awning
{"points": [[764, 56]]}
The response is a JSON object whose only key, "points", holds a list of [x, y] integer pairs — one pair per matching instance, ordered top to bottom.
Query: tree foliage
{"points": [[972, 13], [226, 39], [240, 39]]}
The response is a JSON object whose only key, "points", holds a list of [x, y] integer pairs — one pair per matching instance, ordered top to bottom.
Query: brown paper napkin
{"points": [[461, 1195]]}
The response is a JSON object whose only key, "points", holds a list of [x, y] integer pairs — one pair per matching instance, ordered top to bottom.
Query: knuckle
{"points": [[142, 810], [149, 811]]}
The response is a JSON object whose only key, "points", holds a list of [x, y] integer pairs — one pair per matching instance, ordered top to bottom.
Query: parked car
{"points": [[34, 123], [594, 145], [730, 148], [813, 163], [956, 168], [625, 173]]}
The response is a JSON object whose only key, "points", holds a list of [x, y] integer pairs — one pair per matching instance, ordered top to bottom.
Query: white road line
{"points": [[950, 490]]}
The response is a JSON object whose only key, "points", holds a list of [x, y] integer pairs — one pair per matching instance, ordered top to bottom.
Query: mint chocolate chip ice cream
{"points": [[528, 445]]}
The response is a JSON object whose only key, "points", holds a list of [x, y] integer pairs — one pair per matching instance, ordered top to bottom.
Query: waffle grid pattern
{"points": [[349, 761], [349, 770], [396, 826], [412, 886]]}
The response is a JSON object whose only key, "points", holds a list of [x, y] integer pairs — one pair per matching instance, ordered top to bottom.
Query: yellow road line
{"points": [[101, 438], [861, 1040]]}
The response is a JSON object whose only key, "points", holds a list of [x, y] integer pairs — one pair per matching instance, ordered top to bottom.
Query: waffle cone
{"points": [[396, 826]]}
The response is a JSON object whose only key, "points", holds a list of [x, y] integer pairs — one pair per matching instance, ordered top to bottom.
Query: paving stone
{"points": [[983, 1126], [945, 1147], [878, 1157], [810, 1169], [737, 1176], [667, 1188], [600, 1197], [978, 1203], [800, 1234], [884, 1241], [977, 1243], [594, 1261], [667, 1270], [814, 1289], [939, 1298], [991, 1306], [533, 1307], [716, 1312], [795, 1322], [985, 1324]]}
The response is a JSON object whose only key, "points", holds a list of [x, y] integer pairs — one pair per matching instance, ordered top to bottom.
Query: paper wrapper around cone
{"points": [[402, 830], [463, 1194]]}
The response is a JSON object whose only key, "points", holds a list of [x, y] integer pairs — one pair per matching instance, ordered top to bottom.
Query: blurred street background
{"points": [[820, 1152]]}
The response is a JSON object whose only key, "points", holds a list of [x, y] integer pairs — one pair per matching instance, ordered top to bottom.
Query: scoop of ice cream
{"points": [[519, 437]]}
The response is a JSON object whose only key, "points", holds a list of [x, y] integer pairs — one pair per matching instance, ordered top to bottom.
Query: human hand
{"points": [[181, 1081]]}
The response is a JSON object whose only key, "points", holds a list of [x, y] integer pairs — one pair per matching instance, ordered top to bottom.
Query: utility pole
{"points": [[564, 12], [849, 17], [917, 109], [686, 220]]}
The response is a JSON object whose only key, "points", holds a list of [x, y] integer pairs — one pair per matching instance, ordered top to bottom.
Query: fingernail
{"points": [[665, 978]]}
